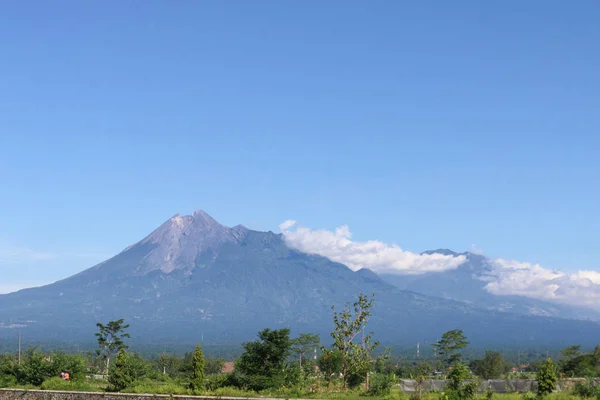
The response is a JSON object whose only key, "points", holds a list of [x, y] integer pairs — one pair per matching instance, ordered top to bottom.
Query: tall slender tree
{"points": [[110, 339], [198, 363]]}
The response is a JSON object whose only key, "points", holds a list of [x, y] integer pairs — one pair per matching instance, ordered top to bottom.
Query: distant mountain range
{"points": [[193, 277], [467, 283]]}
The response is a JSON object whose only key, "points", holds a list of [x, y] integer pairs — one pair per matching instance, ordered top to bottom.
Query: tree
{"points": [[110, 338], [305, 343], [449, 346], [571, 352], [263, 360], [356, 360], [330, 363], [214, 365], [490, 367], [457, 375], [120, 376], [197, 378], [457, 378], [546, 378]]}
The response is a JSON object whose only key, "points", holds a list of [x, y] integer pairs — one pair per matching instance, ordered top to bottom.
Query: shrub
{"points": [[120, 376], [457, 376], [546, 378], [7, 381], [214, 382], [60, 384], [380, 384], [585, 389], [529, 396]]}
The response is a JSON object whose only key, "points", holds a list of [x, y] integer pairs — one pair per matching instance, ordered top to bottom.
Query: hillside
{"points": [[193, 277]]}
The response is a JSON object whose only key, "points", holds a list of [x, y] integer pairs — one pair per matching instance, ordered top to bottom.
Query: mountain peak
{"points": [[179, 240], [445, 252]]}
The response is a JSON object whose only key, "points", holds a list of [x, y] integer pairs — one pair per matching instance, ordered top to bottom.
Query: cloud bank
{"points": [[378, 256], [581, 288]]}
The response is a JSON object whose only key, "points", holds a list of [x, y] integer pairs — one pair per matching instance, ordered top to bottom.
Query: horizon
{"points": [[387, 129]]}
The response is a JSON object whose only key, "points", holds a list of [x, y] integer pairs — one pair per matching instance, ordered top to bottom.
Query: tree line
{"points": [[275, 361]]}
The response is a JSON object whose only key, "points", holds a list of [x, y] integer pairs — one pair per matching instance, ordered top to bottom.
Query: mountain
{"points": [[193, 277], [467, 283]]}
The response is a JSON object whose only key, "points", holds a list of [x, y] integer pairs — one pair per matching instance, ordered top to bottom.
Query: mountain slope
{"points": [[193, 277], [467, 283]]}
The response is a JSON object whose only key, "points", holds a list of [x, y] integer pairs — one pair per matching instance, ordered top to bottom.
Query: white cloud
{"points": [[286, 225], [372, 254], [581, 288]]}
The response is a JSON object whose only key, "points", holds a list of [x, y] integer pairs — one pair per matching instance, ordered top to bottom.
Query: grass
{"points": [[148, 386]]}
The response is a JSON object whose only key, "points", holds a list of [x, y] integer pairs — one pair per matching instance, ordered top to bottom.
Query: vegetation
{"points": [[110, 339], [449, 346], [355, 358], [198, 365], [277, 365], [492, 366], [546, 379]]}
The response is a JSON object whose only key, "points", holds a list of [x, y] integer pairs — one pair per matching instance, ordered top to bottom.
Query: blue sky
{"points": [[427, 124]]}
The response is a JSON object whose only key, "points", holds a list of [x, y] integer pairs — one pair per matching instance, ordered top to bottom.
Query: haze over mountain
{"points": [[194, 277]]}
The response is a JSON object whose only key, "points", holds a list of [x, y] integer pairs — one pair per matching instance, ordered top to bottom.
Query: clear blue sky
{"points": [[428, 124]]}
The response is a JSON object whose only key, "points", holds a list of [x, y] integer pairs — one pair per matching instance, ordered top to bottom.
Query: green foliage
{"points": [[110, 338], [305, 343], [449, 346], [356, 358], [262, 363], [330, 363], [574, 363], [74, 364], [169, 365], [213, 365], [492, 366], [35, 368], [120, 374], [197, 376], [457, 376], [546, 378], [214, 382], [60, 384], [381, 384], [155, 387], [585, 389], [529, 396]]}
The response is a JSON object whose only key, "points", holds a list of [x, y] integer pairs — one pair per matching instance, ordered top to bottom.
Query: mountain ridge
{"points": [[193, 275]]}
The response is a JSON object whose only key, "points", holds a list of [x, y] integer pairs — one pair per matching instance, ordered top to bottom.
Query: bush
{"points": [[8, 381], [214, 382], [60, 384], [380, 384], [585, 389], [232, 392], [529, 396]]}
